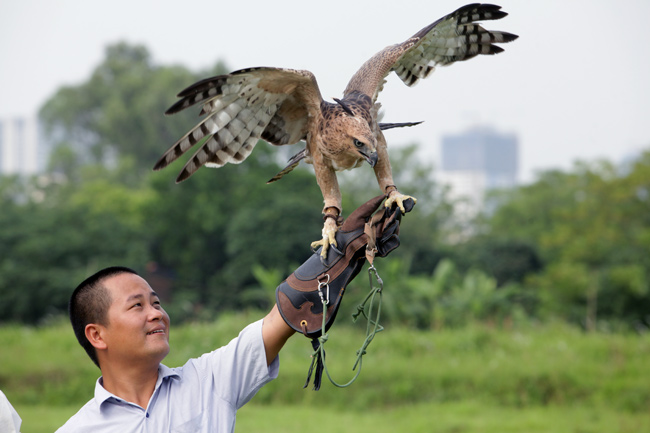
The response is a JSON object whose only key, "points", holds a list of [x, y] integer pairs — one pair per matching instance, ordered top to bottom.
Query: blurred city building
{"points": [[23, 149], [476, 161]]}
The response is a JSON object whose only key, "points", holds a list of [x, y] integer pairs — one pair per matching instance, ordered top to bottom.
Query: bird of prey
{"points": [[285, 106]]}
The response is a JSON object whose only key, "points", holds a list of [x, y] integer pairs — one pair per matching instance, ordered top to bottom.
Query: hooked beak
{"points": [[371, 158]]}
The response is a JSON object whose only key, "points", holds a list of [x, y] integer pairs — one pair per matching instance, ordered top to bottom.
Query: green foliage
{"points": [[214, 228], [590, 228], [205, 236], [45, 248], [507, 260], [447, 298], [532, 373]]}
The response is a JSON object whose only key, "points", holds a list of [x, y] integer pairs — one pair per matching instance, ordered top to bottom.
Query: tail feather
{"points": [[385, 126], [291, 164]]}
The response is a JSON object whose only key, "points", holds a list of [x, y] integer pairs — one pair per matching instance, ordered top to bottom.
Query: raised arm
{"points": [[275, 332]]}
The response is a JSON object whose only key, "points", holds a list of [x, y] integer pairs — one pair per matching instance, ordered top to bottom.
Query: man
{"points": [[118, 319]]}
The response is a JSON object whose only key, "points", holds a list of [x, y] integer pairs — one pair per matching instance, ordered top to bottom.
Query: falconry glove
{"points": [[318, 282]]}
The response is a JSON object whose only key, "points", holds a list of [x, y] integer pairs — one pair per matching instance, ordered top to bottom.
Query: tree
{"points": [[118, 111], [214, 228], [591, 228], [53, 236], [507, 260]]}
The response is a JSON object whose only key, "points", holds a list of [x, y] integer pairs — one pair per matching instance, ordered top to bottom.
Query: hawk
{"points": [[285, 106]]}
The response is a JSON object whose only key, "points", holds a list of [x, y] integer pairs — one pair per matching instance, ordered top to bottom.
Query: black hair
{"points": [[90, 302]]}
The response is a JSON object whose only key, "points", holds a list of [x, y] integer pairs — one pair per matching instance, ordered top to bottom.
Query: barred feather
{"points": [[453, 38], [240, 109]]}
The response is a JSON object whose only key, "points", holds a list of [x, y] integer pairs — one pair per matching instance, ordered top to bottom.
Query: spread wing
{"points": [[453, 38], [240, 108]]}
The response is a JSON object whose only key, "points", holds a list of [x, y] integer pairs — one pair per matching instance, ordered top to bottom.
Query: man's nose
{"points": [[156, 314]]}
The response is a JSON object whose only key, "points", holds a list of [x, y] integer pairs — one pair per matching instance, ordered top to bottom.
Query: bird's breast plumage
{"points": [[346, 163]]}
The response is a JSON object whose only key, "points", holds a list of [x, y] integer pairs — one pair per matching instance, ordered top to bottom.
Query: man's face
{"points": [[138, 327]]}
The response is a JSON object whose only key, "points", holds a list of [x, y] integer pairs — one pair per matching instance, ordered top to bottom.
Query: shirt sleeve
{"points": [[238, 370], [9, 420]]}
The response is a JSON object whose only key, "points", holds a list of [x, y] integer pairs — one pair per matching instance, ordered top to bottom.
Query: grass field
{"points": [[550, 378], [467, 416]]}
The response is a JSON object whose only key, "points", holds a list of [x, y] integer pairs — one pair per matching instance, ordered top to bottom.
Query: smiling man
{"points": [[119, 321]]}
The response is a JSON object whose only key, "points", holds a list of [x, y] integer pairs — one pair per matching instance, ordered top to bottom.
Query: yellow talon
{"points": [[399, 198], [329, 237]]}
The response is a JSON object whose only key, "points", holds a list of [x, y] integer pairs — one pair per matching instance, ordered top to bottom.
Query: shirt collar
{"points": [[102, 396]]}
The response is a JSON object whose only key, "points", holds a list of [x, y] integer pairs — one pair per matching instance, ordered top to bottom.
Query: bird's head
{"points": [[349, 139], [359, 140]]}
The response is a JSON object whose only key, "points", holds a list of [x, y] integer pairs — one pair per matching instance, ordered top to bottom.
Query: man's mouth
{"points": [[158, 331]]}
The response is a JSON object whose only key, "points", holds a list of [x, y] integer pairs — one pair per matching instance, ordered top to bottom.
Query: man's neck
{"points": [[135, 385]]}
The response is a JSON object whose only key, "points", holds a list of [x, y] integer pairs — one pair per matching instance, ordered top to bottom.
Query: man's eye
{"points": [[137, 305]]}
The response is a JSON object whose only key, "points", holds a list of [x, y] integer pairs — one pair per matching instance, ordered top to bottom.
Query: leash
{"points": [[369, 308]]}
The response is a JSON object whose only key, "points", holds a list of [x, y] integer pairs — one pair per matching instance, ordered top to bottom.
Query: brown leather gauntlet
{"points": [[300, 297]]}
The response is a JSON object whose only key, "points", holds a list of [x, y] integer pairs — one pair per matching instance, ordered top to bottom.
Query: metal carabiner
{"points": [[321, 284]]}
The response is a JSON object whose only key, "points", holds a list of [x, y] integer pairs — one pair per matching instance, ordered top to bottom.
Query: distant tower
{"points": [[22, 147], [476, 161]]}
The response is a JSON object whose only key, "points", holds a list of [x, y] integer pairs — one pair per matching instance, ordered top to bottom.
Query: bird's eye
{"points": [[358, 143]]}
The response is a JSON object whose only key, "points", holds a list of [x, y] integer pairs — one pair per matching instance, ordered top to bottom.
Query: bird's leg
{"points": [[384, 175], [329, 186], [394, 196], [330, 227]]}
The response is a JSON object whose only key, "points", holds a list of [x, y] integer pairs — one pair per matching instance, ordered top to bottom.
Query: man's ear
{"points": [[94, 334]]}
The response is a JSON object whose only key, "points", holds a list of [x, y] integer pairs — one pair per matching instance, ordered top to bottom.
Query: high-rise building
{"points": [[23, 149], [476, 161]]}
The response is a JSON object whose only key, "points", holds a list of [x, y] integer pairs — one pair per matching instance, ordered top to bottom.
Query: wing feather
{"points": [[450, 39], [241, 108]]}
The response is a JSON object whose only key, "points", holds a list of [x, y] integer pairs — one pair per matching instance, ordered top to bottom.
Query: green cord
{"points": [[372, 326]]}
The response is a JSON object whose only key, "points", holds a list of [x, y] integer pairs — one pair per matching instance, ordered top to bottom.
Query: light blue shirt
{"points": [[201, 396], [9, 420]]}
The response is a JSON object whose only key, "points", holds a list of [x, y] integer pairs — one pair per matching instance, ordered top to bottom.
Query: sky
{"points": [[574, 86]]}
